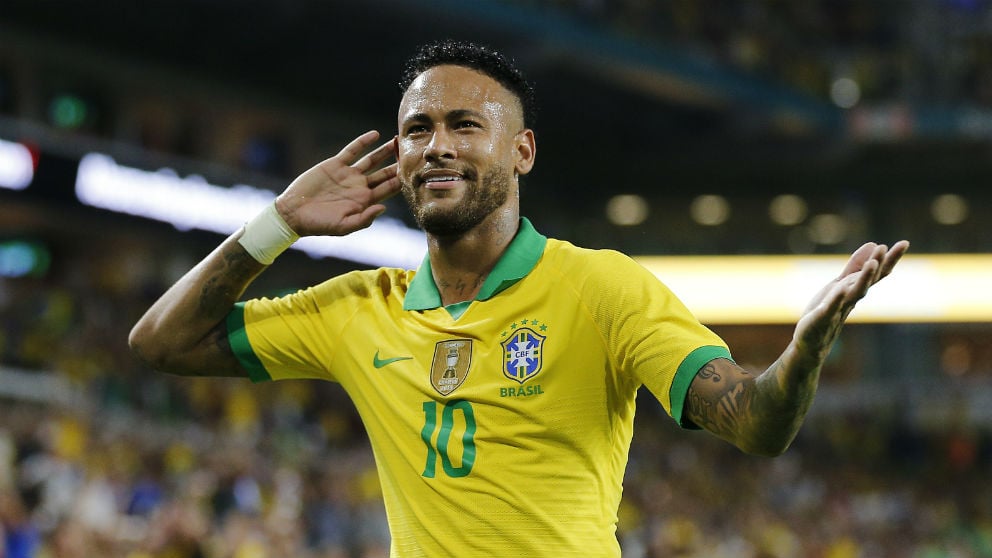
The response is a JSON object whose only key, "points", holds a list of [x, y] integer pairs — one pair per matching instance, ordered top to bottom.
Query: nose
{"points": [[440, 147]]}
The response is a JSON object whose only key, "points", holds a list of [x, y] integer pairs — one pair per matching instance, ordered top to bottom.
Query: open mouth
{"points": [[441, 179]]}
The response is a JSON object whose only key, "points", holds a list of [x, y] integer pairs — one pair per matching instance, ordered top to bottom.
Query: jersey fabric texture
{"points": [[501, 426]]}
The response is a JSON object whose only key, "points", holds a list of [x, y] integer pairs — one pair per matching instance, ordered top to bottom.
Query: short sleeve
{"points": [[281, 338], [656, 340]]}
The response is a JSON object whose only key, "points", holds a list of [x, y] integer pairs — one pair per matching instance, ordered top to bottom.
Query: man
{"points": [[497, 382]]}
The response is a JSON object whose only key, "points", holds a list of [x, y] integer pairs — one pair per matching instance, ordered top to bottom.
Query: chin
{"points": [[449, 222], [443, 225]]}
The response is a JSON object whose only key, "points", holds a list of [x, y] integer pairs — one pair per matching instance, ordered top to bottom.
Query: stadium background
{"points": [[872, 118]]}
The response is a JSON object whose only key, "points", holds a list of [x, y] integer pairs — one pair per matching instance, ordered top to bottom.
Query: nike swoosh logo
{"points": [[380, 362]]}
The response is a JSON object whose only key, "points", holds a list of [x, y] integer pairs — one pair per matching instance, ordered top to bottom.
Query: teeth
{"points": [[442, 179]]}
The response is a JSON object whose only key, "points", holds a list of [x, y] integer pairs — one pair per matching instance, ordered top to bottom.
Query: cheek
{"points": [[503, 152], [406, 159]]}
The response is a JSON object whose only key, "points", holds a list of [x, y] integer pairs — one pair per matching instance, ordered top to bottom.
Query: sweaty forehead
{"points": [[443, 89]]}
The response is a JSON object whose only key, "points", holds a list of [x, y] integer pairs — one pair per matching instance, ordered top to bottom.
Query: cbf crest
{"points": [[523, 354], [452, 360]]}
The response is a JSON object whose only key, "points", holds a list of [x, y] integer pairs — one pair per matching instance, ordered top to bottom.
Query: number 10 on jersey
{"points": [[441, 444]]}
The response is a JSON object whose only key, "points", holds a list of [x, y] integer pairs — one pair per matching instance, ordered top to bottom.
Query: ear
{"points": [[526, 150]]}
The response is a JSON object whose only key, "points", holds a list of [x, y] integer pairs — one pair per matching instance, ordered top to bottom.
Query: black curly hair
{"points": [[480, 58]]}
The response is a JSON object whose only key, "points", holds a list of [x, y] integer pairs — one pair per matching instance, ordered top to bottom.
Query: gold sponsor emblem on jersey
{"points": [[452, 359]]}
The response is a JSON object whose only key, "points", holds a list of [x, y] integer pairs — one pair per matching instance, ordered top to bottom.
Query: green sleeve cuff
{"points": [[237, 336], [684, 376]]}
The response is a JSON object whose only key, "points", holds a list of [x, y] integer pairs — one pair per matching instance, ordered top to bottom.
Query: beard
{"points": [[478, 202]]}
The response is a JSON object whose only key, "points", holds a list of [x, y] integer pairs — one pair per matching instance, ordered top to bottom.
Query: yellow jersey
{"points": [[500, 426]]}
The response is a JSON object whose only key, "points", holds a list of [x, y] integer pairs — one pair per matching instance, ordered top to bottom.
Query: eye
{"points": [[462, 124], [415, 129]]}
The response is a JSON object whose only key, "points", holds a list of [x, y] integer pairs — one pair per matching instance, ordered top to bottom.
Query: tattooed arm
{"points": [[184, 331], [755, 413], [762, 414]]}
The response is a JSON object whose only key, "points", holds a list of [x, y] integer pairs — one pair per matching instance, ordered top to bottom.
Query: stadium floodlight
{"points": [[16, 166], [191, 202], [776, 289]]}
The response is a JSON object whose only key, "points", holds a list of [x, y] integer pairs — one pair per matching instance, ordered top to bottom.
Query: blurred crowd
{"points": [[922, 51], [932, 52], [937, 53], [137, 464], [145, 465], [104, 485]]}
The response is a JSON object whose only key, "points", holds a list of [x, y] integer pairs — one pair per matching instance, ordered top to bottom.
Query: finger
{"points": [[359, 145], [376, 157], [382, 175], [386, 190], [373, 211], [364, 219], [361, 220], [892, 257], [858, 258], [876, 259], [863, 281], [833, 300]]}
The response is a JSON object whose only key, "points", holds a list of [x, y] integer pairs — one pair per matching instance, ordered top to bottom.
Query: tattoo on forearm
{"points": [[219, 291], [218, 337], [709, 372], [722, 403], [762, 414]]}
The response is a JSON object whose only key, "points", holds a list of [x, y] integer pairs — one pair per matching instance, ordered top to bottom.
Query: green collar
{"points": [[520, 257]]}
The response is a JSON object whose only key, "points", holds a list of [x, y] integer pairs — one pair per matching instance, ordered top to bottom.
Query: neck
{"points": [[461, 264]]}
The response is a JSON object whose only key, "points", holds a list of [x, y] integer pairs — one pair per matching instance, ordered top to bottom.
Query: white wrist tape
{"points": [[267, 235]]}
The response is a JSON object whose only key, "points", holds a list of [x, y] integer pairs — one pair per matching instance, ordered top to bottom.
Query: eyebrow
{"points": [[451, 115]]}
